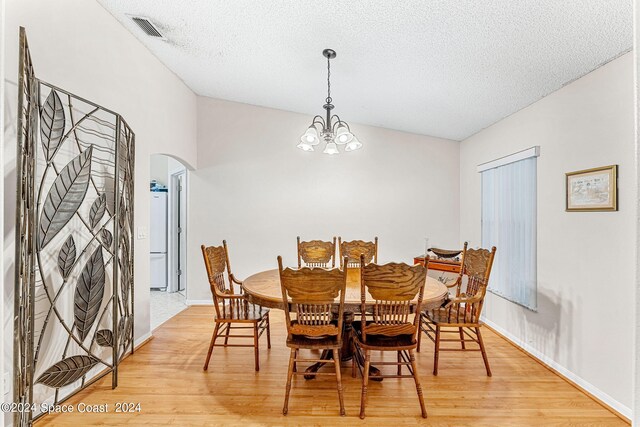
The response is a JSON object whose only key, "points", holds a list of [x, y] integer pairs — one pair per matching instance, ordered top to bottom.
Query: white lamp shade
{"points": [[343, 136], [310, 137], [353, 145], [305, 147], [331, 148]]}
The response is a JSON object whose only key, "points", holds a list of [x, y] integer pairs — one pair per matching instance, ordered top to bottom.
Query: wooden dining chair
{"points": [[354, 248], [317, 253], [308, 295], [232, 307], [460, 316], [393, 325]]}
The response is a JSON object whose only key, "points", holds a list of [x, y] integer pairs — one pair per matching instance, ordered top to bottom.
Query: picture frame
{"points": [[592, 190]]}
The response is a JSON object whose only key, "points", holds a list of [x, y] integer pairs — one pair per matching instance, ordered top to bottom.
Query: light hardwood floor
{"points": [[165, 376]]}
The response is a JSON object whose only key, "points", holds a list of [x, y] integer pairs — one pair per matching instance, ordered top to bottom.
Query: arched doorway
{"points": [[167, 238]]}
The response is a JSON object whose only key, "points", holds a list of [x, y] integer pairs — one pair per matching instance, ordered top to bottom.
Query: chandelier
{"points": [[331, 130]]}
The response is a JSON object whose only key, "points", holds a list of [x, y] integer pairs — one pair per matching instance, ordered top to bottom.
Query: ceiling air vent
{"points": [[147, 26]]}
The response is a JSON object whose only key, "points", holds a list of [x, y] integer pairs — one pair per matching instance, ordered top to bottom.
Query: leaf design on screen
{"points": [[51, 124], [109, 190], [65, 197], [97, 210], [107, 238], [67, 256], [125, 273], [89, 292], [125, 326], [104, 338], [67, 371]]}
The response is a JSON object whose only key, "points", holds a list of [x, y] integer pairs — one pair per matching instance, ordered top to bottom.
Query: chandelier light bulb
{"points": [[343, 136], [310, 137], [353, 145], [305, 147], [331, 148]]}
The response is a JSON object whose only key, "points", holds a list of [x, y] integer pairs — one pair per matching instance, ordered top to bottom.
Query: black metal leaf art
{"points": [[51, 124], [69, 152], [109, 190], [65, 197], [97, 210], [107, 238], [67, 256], [125, 270], [89, 292], [125, 326], [104, 338], [67, 371]]}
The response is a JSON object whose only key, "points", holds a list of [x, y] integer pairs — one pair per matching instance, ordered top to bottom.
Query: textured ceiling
{"points": [[445, 68]]}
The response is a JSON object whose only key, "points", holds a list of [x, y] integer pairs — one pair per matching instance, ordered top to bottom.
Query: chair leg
{"points": [[268, 332], [226, 334], [419, 334], [461, 336], [213, 341], [256, 347], [436, 351], [484, 353], [292, 357], [412, 357], [354, 359], [336, 360], [295, 364], [399, 365], [365, 381]]}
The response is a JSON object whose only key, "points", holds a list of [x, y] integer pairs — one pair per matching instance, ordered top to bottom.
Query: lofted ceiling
{"points": [[445, 68]]}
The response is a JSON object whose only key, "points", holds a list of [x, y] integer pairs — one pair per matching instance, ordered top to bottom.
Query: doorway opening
{"points": [[167, 238]]}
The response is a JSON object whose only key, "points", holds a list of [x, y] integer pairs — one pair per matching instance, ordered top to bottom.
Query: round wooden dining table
{"points": [[264, 289]]}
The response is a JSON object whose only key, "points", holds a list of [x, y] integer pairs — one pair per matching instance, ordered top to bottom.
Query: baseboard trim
{"points": [[198, 302], [142, 340], [620, 410]]}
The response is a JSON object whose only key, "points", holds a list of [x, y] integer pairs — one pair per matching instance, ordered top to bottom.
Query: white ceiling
{"points": [[444, 68]]}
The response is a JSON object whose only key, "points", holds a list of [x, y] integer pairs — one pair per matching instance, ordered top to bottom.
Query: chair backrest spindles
{"points": [[354, 248], [317, 253], [216, 261], [476, 267], [394, 287], [310, 294]]}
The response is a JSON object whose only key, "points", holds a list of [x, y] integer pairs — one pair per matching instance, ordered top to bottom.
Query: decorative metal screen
{"points": [[74, 243]]}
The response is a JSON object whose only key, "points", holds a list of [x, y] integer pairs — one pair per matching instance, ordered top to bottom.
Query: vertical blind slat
{"points": [[509, 198]]}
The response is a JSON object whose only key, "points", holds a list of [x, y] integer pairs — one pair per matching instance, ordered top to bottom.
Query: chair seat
{"points": [[252, 313], [445, 317], [301, 341], [379, 342]]}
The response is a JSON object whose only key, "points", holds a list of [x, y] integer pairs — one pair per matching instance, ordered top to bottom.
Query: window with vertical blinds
{"points": [[509, 223]]}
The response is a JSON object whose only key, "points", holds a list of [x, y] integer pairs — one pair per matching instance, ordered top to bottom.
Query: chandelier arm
{"points": [[318, 120], [339, 122]]}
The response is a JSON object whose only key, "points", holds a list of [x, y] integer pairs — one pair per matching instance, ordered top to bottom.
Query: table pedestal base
{"points": [[346, 353]]}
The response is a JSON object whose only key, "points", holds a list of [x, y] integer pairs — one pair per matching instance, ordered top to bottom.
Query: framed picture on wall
{"points": [[593, 189]]}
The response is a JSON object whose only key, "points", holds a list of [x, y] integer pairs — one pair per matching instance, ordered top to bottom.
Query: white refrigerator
{"points": [[158, 240]]}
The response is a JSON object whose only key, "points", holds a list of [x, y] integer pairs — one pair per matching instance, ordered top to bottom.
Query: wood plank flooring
{"points": [[165, 376]]}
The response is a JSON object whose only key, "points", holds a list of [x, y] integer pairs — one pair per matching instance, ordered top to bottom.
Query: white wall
{"points": [[79, 46], [162, 167], [158, 168], [254, 188], [586, 261], [636, 352], [3, 374]]}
